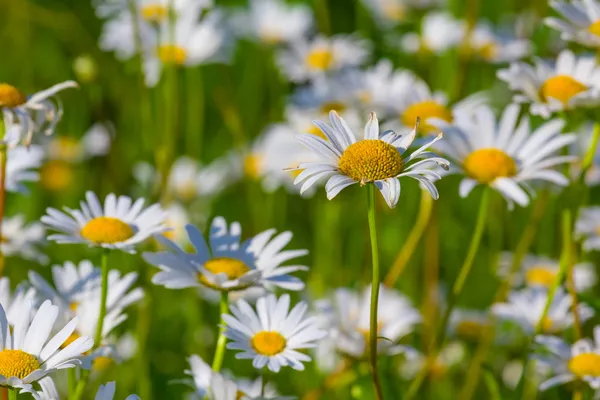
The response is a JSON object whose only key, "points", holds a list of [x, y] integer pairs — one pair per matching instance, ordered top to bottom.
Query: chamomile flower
{"points": [[389, 12], [273, 21], [579, 22], [440, 32], [119, 35], [485, 43], [314, 58], [571, 82], [26, 115], [584, 140], [502, 154], [377, 159], [21, 166], [189, 180], [177, 220], [120, 225], [587, 228], [22, 239], [228, 264], [537, 271], [14, 302], [525, 308], [469, 324], [273, 334], [26, 354], [450, 356], [577, 362], [222, 388], [50, 392], [107, 392]]}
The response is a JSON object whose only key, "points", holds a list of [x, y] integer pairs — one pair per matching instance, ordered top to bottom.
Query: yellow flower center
{"points": [[393, 11], [154, 12], [595, 28], [172, 54], [319, 59], [562, 88], [10, 96], [333, 106], [424, 110], [66, 148], [371, 160], [485, 165], [252, 166], [56, 175], [107, 230], [233, 268], [540, 276], [73, 306], [548, 325], [470, 329], [268, 343], [17, 363], [102, 363], [586, 364], [438, 370], [239, 395]]}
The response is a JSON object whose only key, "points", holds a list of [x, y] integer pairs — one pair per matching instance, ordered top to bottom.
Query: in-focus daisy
{"points": [[273, 21], [580, 22], [440, 32], [308, 59], [570, 82], [25, 115], [502, 154], [377, 159], [21, 166], [120, 225], [587, 228], [228, 264], [537, 271], [14, 302], [525, 308], [273, 335], [26, 354], [581, 361]]}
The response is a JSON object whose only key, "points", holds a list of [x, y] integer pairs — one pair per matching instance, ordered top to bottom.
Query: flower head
{"points": [[579, 22]]}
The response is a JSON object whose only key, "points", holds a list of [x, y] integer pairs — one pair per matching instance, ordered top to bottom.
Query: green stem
{"points": [[591, 151], [374, 291], [454, 295], [103, 297], [222, 340], [72, 381], [12, 394]]}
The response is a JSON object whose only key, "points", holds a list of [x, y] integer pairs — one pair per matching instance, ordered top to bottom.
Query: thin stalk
{"points": [[591, 151], [412, 241], [431, 277], [457, 288], [374, 291], [103, 297], [222, 340], [72, 376], [263, 383], [12, 394]]}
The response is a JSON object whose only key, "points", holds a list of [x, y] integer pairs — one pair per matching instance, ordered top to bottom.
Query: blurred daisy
{"points": [[390, 12], [273, 21], [579, 22], [440, 32], [119, 35], [494, 47], [307, 59], [569, 83], [26, 115], [97, 139], [580, 147], [502, 154], [376, 159], [21, 166], [188, 179], [177, 220], [120, 225], [587, 228], [21, 239], [228, 264], [541, 272], [14, 302], [525, 308], [471, 325], [273, 335], [27, 355], [449, 356], [579, 362], [222, 388], [50, 392], [107, 392]]}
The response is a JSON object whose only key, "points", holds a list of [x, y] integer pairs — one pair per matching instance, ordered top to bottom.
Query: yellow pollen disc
{"points": [[154, 12], [595, 28], [488, 51], [172, 54], [319, 59], [562, 88], [10, 96], [333, 106], [424, 110], [66, 148], [371, 160], [485, 165], [252, 166], [56, 175], [187, 190], [106, 230], [234, 269], [540, 276], [73, 306], [470, 329], [268, 343], [17, 363], [102, 363], [586, 364], [438, 370], [239, 395]]}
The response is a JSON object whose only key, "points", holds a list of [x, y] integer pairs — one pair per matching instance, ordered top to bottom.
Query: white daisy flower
{"points": [[389, 12], [273, 21], [580, 22], [440, 32], [119, 35], [484, 42], [194, 43], [314, 58], [569, 83], [26, 115], [96, 141], [502, 154], [377, 159], [21, 166], [189, 180], [177, 220], [120, 225], [587, 228], [22, 239], [228, 264], [537, 271], [14, 302], [525, 308], [348, 321], [469, 324], [272, 335], [27, 355], [450, 356], [579, 362], [222, 388], [50, 392], [107, 392]]}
